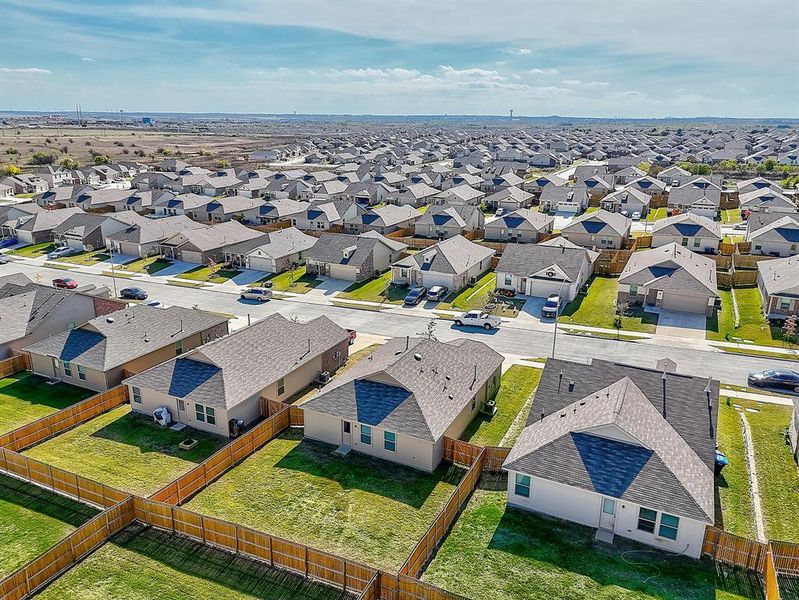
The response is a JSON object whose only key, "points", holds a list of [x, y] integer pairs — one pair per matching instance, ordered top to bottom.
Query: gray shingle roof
{"points": [[600, 222], [682, 225], [275, 244], [330, 249], [455, 255], [526, 260], [671, 267], [780, 276], [24, 307]]}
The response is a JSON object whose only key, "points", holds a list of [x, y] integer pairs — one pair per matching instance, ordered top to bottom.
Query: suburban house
{"points": [[754, 184], [537, 185], [596, 186], [654, 188], [415, 194], [461, 194], [699, 196], [509, 198], [563, 199], [766, 200], [627, 201], [182, 204], [226, 208], [274, 211], [324, 215], [384, 219], [446, 221], [521, 225], [36, 227], [601, 229], [87, 231], [693, 231], [774, 234], [145, 236], [206, 243], [272, 252], [352, 257], [454, 263], [542, 270], [670, 277], [778, 281], [30, 312], [101, 352], [225, 379], [402, 401], [627, 450]]}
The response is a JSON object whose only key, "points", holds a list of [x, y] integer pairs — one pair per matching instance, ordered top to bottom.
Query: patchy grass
{"points": [[656, 214], [731, 215], [33, 250], [86, 258], [150, 265], [214, 274], [295, 280], [189, 284], [377, 289], [597, 308], [753, 328], [764, 353], [518, 385], [25, 397], [126, 451], [732, 485], [363, 508], [32, 520], [499, 553], [142, 563]]}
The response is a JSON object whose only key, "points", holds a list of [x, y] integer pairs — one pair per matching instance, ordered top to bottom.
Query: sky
{"points": [[616, 58]]}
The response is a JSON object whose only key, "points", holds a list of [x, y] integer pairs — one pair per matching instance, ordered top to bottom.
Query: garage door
{"points": [[191, 257], [262, 263], [342, 272], [431, 279], [542, 288], [684, 303]]}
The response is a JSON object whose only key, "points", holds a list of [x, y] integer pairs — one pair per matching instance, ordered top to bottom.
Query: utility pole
{"points": [[113, 274], [557, 314]]}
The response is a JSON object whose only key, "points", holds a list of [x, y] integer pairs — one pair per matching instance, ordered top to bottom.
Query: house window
{"points": [[684, 241], [696, 243], [758, 247], [508, 279], [633, 290], [784, 305], [178, 347], [67, 368], [81, 373], [281, 386], [136, 394], [205, 414], [366, 434], [390, 441], [522, 487], [647, 519], [668, 526]]}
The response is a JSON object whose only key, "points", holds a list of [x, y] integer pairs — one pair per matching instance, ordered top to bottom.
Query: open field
{"points": [[598, 309], [25, 397], [126, 451], [366, 509], [32, 520], [499, 553], [141, 563]]}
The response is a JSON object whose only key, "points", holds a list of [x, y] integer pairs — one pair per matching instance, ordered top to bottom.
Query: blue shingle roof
{"points": [[593, 226], [687, 229], [790, 234], [78, 342], [188, 375], [375, 401], [611, 465]]}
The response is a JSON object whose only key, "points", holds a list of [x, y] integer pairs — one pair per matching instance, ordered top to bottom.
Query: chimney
{"points": [[571, 385]]}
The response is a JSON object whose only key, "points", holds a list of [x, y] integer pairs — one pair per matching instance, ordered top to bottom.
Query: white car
{"points": [[500, 212], [636, 216], [742, 226], [62, 251], [260, 294], [476, 318]]}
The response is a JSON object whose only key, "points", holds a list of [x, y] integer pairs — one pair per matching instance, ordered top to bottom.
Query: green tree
{"points": [[42, 158], [101, 160], [69, 163], [770, 163], [222, 164], [9, 169]]}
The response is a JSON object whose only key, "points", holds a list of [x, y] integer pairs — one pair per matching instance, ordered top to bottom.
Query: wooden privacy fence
{"points": [[270, 227], [736, 279], [14, 364], [296, 414], [58, 422], [460, 452], [215, 465], [426, 547], [731, 549], [786, 557], [46, 567]]}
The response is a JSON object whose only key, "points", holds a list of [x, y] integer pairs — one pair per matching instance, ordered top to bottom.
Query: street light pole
{"points": [[113, 274], [557, 314]]}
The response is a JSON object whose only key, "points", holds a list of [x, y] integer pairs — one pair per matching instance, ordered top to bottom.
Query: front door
{"points": [[346, 433], [607, 519]]}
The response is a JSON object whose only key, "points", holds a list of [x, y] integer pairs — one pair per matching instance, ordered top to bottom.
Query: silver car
{"points": [[260, 294]]}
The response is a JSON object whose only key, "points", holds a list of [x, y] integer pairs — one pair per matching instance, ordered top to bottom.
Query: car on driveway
{"points": [[500, 212], [636, 216], [742, 226], [6, 242], [62, 251], [65, 283], [133, 293], [257, 293], [437, 293], [416, 295], [551, 307], [476, 318], [776, 378]]}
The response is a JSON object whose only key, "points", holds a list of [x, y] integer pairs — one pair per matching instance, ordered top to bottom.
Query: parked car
{"points": [[500, 212], [625, 213], [636, 216], [742, 226], [6, 242], [61, 251], [4, 260], [65, 282], [133, 293], [259, 293], [437, 293], [416, 295], [156, 304], [551, 307], [476, 318], [779, 378]]}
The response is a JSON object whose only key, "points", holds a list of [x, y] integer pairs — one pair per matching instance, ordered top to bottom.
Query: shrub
{"points": [[42, 158]]}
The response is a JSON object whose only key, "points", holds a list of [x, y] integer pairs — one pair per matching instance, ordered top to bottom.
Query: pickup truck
{"points": [[475, 318]]}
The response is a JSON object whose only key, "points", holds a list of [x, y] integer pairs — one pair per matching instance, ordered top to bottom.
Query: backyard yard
{"points": [[656, 214], [731, 215], [33, 250], [150, 265], [210, 274], [294, 280], [377, 289], [597, 308], [753, 327], [25, 397], [513, 404], [126, 451], [363, 508], [32, 520], [499, 553], [141, 563]]}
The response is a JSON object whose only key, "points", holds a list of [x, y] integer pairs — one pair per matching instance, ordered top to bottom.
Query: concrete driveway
{"points": [[680, 324]]}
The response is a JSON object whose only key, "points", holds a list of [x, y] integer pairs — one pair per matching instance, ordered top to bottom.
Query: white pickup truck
{"points": [[476, 318]]}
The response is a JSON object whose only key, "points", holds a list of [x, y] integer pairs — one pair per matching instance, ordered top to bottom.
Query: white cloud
{"points": [[520, 51], [87, 59], [25, 71], [543, 71], [371, 73], [473, 74], [585, 84]]}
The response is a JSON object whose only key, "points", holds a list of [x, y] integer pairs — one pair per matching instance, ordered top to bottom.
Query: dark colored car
{"points": [[6, 242], [65, 282], [133, 293], [437, 293], [416, 295], [551, 307], [779, 378]]}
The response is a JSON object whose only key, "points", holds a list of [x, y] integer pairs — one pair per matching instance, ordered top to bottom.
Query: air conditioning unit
{"points": [[162, 417]]}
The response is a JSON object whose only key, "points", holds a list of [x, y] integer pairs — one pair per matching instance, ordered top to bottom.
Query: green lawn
{"points": [[656, 214], [731, 215], [33, 250], [86, 258], [150, 265], [215, 274], [295, 280], [377, 289], [471, 297], [597, 309], [753, 328], [518, 385], [25, 397], [126, 451], [733, 484], [366, 509], [32, 520], [499, 553], [141, 563]]}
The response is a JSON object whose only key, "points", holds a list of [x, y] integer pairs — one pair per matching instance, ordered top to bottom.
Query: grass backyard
{"points": [[656, 214], [731, 215], [33, 250], [85, 258], [150, 265], [210, 274], [295, 280], [377, 289], [597, 308], [753, 328], [25, 397], [513, 404], [126, 451], [732, 484], [363, 508], [32, 520], [499, 553], [175, 568]]}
